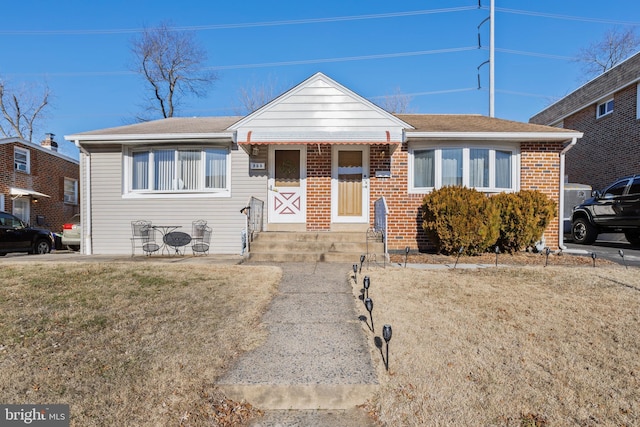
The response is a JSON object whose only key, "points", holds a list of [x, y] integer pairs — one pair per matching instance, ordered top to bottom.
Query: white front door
{"points": [[287, 184], [350, 184]]}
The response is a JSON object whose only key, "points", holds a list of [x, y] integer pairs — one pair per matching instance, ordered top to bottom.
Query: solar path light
{"points": [[547, 251], [497, 253], [406, 254], [458, 257], [593, 257], [362, 258], [624, 261], [355, 272], [366, 282], [368, 303], [386, 334]]}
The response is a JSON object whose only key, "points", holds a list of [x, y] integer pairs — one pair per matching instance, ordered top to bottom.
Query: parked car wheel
{"points": [[582, 232], [633, 237], [41, 247], [74, 248]]}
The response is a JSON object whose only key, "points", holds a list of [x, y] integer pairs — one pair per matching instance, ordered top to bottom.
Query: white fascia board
{"points": [[391, 136], [510, 136], [132, 139], [38, 147]]}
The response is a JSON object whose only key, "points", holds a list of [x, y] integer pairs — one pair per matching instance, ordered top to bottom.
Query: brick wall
{"points": [[610, 147], [540, 171], [47, 173], [319, 187]]}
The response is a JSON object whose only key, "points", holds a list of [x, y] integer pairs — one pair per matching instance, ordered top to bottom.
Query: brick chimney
{"points": [[49, 143]]}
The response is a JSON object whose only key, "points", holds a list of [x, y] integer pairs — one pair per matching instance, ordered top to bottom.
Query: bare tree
{"points": [[616, 46], [173, 64], [255, 95], [396, 103], [21, 110]]}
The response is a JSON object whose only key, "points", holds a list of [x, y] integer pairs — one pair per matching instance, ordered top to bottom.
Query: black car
{"points": [[614, 209], [16, 236]]}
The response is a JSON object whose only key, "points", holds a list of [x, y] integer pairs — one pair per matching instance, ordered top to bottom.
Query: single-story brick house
{"points": [[319, 156]]}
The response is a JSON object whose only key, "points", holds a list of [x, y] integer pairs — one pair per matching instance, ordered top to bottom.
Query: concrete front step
{"points": [[312, 247], [300, 396]]}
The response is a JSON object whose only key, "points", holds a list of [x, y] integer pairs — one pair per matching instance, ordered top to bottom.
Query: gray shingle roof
{"points": [[471, 123], [173, 125]]}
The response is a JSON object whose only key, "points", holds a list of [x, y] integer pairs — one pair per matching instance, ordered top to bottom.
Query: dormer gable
{"points": [[320, 110]]}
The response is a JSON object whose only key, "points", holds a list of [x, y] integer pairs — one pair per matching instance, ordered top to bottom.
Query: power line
{"points": [[565, 17], [243, 25]]}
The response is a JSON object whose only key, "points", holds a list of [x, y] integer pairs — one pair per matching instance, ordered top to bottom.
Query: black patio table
{"points": [[164, 230], [176, 240]]}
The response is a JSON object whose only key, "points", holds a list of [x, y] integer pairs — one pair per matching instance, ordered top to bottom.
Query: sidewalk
{"points": [[315, 366]]}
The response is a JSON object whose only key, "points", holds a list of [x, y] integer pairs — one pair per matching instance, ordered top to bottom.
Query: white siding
{"points": [[320, 108], [112, 214]]}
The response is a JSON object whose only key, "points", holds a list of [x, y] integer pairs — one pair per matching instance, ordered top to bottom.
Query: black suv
{"points": [[615, 209], [16, 236]]}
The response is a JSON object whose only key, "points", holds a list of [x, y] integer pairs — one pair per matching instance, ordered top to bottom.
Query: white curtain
{"points": [[452, 166], [479, 167], [164, 168], [216, 168], [423, 168], [503, 169], [140, 171], [189, 171]]}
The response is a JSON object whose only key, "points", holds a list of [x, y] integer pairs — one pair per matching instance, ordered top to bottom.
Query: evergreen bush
{"points": [[455, 217]]}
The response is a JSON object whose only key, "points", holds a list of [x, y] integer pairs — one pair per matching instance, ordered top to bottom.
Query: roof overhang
{"points": [[395, 136], [497, 136], [136, 139], [19, 192]]}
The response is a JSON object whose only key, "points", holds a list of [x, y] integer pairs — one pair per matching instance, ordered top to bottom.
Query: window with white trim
{"points": [[604, 108], [21, 160], [485, 168], [178, 170], [71, 191]]}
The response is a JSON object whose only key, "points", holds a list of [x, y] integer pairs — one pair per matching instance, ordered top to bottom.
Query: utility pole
{"points": [[491, 60], [492, 88]]}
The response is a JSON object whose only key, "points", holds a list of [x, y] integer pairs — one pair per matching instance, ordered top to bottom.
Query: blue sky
{"points": [[427, 49]]}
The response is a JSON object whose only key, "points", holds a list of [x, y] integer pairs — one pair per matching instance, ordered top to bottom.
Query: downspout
{"points": [[561, 195], [86, 226]]}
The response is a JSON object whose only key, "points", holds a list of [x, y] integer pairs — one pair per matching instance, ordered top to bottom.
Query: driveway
{"points": [[607, 246]]}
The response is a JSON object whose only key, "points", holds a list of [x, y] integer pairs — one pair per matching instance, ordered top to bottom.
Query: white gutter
{"points": [[501, 136], [140, 138], [561, 195], [86, 223]]}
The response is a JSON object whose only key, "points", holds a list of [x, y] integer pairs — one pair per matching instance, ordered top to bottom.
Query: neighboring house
{"points": [[607, 111], [319, 156], [38, 184]]}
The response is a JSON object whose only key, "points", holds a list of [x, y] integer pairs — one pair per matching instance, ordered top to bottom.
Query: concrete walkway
{"points": [[315, 366]]}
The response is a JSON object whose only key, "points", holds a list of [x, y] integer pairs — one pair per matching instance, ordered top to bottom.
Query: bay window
{"points": [[485, 168], [179, 170]]}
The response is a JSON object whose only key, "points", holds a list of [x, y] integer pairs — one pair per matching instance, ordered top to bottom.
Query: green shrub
{"points": [[458, 216], [523, 218]]}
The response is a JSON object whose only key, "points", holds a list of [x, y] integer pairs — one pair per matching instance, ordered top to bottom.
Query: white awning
{"points": [[23, 192]]}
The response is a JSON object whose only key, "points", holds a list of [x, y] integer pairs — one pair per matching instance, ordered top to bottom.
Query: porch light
{"points": [[621, 253], [367, 283], [368, 303], [386, 334]]}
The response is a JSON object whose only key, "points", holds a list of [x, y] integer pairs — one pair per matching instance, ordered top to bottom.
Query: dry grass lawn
{"points": [[128, 344], [513, 346]]}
